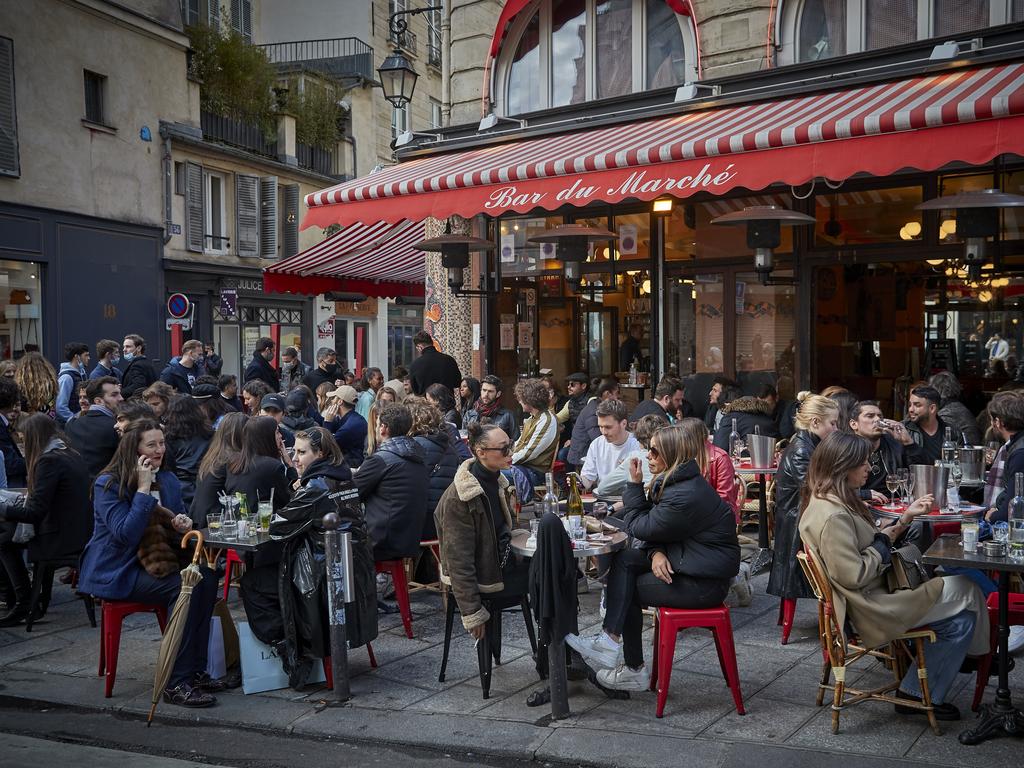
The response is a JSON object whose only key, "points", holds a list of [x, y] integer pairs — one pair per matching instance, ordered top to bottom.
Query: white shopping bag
{"points": [[216, 667], [261, 668]]}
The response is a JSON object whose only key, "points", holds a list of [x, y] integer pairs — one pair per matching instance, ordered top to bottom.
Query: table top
{"points": [[745, 468], [932, 517], [216, 540], [616, 541], [946, 550]]}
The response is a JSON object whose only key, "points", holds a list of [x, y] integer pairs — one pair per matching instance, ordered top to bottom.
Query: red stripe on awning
{"points": [[835, 135]]}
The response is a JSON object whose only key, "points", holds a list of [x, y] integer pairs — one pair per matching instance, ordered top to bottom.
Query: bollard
{"points": [[338, 550]]}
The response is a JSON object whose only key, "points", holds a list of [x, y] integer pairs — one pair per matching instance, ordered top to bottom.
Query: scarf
{"points": [[487, 411]]}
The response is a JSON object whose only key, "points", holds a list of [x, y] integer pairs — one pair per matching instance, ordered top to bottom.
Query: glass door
{"points": [[226, 341], [598, 341]]}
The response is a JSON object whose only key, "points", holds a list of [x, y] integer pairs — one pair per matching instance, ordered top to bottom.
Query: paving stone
{"points": [[764, 722], [870, 728], [627, 750]]}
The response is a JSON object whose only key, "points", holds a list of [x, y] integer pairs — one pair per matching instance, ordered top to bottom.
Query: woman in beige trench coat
{"points": [[840, 531]]}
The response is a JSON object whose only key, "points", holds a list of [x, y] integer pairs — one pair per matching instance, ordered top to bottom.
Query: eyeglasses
{"points": [[506, 449]]}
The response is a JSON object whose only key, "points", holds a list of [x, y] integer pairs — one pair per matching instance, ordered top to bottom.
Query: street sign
{"points": [[177, 305], [185, 323]]}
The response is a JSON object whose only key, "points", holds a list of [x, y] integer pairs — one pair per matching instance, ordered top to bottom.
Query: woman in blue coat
{"points": [[133, 497]]}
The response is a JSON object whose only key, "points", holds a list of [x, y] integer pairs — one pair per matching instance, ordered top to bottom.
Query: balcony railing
{"points": [[405, 41], [434, 54], [336, 57], [236, 134], [319, 160]]}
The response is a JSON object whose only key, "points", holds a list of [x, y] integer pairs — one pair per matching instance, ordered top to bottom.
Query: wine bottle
{"points": [[735, 443], [948, 448], [550, 501], [574, 507], [1016, 519]]}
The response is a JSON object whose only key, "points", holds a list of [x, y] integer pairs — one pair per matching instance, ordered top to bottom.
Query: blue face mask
{"points": [[129, 355], [115, 360]]}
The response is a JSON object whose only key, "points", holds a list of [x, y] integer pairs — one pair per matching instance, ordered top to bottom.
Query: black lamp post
{"points": [[397, 76], [764, 233]]}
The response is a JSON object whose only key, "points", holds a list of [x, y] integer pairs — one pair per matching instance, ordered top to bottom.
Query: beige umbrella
{"points": [[171, 641]]}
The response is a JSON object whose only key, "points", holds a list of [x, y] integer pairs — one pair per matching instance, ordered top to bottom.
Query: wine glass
{"points": [[956, 476], [909, 483], [892, 484]]}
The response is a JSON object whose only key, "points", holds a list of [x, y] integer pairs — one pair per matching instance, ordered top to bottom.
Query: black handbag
{"points": [[906, 571]]}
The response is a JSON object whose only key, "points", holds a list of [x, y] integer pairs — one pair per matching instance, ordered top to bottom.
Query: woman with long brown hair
{"points": [[37, 381], [57, 504], [138, 512], [840, 532], [687, 559]]}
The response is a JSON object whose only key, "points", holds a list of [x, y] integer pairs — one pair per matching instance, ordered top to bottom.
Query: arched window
{"points": [[810, 30], [561, 52]]}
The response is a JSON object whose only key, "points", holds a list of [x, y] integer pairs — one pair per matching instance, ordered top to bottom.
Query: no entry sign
{"points": [[177, 305]]}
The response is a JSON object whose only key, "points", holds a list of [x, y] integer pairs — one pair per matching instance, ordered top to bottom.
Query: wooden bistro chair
{"points": [[841, 650]]}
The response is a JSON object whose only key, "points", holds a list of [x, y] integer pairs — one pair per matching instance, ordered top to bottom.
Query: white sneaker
{"points": [[741, 586], [603, 607], [1016, 639], [599, 649], [622, 678]]}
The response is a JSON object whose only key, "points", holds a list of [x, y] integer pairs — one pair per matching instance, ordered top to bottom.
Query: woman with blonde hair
{"points": [[37, 381], [817, 417], [840, 533], [687, 558]]}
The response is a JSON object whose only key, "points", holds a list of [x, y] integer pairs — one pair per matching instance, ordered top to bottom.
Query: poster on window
{"points": [[627, 239], [508, 248], [741, 296], [507, 334], [526, 334], [251, 335]]}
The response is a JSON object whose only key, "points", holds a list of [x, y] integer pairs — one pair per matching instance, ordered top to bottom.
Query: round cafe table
{"points": [[929, 521], [521, 544], [763, 559]]}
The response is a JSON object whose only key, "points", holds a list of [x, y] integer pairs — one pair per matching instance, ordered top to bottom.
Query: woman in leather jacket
{"points": [[816, 418]]}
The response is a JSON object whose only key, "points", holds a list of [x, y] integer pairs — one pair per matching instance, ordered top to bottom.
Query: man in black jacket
{"points": [[431, 367], [260, 368], [138, 370], [326, 370], [181, 374], [666, 402], [489, 407], [1007, 412], [924, 430], [92, 433], [887, 455], [14, 462], [392, 485]]}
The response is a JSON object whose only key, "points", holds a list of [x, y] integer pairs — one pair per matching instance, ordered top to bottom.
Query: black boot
{"points": [[16, 615]]}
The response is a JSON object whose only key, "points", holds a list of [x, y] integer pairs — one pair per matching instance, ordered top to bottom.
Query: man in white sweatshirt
{"points": [[613, 447]]}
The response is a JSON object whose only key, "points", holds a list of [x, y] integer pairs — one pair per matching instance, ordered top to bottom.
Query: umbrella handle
{"points": [[198, 536]]}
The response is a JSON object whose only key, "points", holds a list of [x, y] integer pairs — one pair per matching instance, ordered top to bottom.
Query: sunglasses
{"points": [[506, 449], [654, 452]]}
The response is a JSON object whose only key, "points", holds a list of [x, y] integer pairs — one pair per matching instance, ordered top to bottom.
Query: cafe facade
{"points": [[624, 136]]}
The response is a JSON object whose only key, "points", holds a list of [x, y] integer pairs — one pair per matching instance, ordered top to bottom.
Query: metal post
{"points": [[338, 549], [558, 679]]}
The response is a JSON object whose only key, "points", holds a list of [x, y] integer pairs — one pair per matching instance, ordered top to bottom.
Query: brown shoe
{"points": [[184, 695]]}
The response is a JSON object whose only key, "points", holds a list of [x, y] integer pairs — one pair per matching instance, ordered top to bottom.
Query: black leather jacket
{"points": [[786, 579]]}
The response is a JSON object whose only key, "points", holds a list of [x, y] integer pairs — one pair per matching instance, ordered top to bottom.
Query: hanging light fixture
{"points": [[396, 73], [977, 219], [764, 233], [574, 242], [454, 250]]}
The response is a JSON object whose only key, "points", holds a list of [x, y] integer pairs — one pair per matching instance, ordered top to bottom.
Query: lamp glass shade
{"points": [[397, 78]]}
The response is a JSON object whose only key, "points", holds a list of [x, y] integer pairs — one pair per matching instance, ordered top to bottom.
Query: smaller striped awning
{"points": [[375, 259]]}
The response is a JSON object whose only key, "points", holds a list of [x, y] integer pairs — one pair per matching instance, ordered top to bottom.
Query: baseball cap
{"points": [[579, 377], [204, 391], [346, 394], [272, 402]]}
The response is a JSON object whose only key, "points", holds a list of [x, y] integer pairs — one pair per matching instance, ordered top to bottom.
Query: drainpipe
{"points": [[446, 63], [168, 191]]}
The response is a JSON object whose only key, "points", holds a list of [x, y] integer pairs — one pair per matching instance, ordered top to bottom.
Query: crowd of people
{"points": [[117, 462]]}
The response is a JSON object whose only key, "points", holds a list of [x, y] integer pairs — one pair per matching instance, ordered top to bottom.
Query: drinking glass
{"points": [[956, 476], [909, 483], [892, 484], [600, 510], [265, 512], [213, 522], [228, 523], [534, 528], [969, 529], [1001, 531]]}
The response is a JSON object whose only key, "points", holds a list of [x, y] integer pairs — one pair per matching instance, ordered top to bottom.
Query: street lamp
{"points": [[397, 76], [764, 233], [573, 243], [454, 251]]}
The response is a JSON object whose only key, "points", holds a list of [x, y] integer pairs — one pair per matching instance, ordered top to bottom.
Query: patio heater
{"points": [[977, 219], [764, 234], [573, 241], [454, 250]]}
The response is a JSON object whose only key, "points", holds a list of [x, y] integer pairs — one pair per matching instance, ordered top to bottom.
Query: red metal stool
{"points": [[230, 560], [397, 570], [787, 610], [112, 614], [1015, 616], [670, 621], [329, 673]]}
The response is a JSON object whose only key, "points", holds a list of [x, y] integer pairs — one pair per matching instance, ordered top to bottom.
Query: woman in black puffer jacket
{"points": [[816, 418], [439, 455], [687, 557]]}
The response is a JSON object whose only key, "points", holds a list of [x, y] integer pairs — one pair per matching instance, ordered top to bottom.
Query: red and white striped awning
{"points": [[926, 122], [376, 259]]}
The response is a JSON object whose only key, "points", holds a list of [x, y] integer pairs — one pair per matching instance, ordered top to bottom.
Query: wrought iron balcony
{"points": [[404, 41], [339, 57]]}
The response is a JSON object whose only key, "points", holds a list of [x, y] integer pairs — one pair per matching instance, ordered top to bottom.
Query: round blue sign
{"points": [[177, 305]]}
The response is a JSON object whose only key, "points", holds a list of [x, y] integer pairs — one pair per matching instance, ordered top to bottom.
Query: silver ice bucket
{"points": [[762, 451], [972, 462], [930, 479]]}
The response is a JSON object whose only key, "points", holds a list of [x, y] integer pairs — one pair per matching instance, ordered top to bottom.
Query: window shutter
{"points": [[214, 13], [236, 15], [247, 20], [8, 117], [247, 215], [268, 217], [291, 221], [195, 227]]}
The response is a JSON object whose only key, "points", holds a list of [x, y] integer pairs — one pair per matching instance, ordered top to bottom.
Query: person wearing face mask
{"points": [[107, 358], [213, 363], [259, 367], [138, 370], [293, 370], [326, 370], [72, 373], [181, 374], [139, 519]]}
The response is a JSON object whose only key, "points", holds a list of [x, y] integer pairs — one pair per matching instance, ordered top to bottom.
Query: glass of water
{"points": [[1001, 531], [1015, 548]]}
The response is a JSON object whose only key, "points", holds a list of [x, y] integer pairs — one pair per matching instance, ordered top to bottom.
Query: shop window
{"points": [[889, 22], [822, 32], [569, 51], [851, 218], [1013, 218], [634, 231], [689, 233], [519, 257], [21, 304], [694, 327], [765, 330]]}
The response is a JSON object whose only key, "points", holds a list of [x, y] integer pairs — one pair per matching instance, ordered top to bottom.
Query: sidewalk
{"points": [[402, 702]]}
